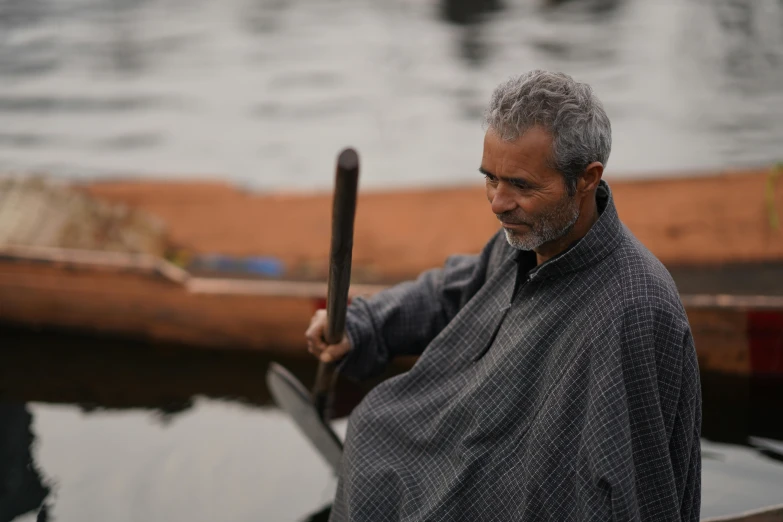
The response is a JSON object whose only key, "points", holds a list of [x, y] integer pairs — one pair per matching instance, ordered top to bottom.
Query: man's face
{"points": [[529, 198]]}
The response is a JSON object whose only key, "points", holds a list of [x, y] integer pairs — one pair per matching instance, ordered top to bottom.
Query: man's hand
{"points": [[316, 344]]}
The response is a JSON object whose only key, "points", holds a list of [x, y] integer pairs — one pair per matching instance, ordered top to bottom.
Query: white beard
{"points": [[551, 227]]}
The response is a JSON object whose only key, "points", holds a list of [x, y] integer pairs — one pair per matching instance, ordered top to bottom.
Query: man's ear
{"points": [[590, 178]]}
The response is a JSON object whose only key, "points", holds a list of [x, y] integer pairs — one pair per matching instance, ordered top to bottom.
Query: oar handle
{"points": [[343, 213]]}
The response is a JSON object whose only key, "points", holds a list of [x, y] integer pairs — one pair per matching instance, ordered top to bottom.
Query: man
{"points": [[557, 379]]}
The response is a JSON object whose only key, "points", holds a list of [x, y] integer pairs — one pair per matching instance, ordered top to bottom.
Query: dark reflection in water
{"points": [[594, 7], [470, 15], [110, 373], [92, 389], [736, 408], [21, 488]]}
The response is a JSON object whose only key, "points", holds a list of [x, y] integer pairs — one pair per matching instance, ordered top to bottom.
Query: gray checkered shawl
{"points": [[576, 399]]}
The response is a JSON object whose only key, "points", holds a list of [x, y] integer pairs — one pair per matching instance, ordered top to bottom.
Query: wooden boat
{"points": [[727, 260], [769, 514]]}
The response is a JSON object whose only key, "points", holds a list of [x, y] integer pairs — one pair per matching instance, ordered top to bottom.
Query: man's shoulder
{"points": [[643, 277]]}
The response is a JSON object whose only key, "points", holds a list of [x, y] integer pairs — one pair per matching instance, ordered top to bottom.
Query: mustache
{"points": [[511, 219]]}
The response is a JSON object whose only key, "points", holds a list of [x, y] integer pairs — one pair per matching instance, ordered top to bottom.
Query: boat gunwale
{"points": [[147, 264], [153, 265], [756, 515]]}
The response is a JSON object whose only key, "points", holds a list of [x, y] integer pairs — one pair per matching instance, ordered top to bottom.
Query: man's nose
{"points": [[501, 199]]}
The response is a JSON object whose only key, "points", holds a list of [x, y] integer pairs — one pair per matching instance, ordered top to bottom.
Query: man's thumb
{"points": [[334, 352]]}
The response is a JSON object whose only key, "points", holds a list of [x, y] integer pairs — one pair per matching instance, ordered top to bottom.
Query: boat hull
{"points": [[159, 303]]}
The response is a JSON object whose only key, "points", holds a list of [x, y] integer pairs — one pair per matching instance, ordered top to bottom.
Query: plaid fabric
{"points": [[578, 398]]}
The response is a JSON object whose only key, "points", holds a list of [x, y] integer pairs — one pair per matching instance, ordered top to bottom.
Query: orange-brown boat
{"points": [[719, 234]]}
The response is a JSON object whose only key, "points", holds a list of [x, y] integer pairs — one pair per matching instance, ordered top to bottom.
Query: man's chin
{"points": [[520, 241]]}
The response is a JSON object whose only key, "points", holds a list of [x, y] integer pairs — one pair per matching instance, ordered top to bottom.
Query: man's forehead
{"points": [[528, 156]]}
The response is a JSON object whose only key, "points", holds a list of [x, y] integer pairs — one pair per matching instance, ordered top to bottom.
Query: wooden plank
{"points": [[721, 340]]}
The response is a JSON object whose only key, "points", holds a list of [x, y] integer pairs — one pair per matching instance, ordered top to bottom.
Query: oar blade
{"points": [[293, 398]]}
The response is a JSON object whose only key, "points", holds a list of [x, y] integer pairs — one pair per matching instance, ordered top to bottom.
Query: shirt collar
{"points": [[602, 238]]}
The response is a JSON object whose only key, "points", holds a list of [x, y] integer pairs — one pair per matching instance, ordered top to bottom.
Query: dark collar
{"points": [[602, 238]]}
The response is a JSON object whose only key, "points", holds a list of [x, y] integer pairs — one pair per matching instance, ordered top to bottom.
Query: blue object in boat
{"points": [[266, 266]]}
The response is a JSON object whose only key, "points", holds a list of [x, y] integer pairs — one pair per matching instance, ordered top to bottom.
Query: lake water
{"points": [[264, 93], [117, 431]]}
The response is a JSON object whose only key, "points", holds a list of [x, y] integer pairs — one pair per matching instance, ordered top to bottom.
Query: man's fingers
{"points": [[317, 316], [317, 324], [314, 334], [315, 341], [316, 344], [334, 352], [328, 355]]}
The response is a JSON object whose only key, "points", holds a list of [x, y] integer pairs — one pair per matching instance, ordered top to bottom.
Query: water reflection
{"points": [[596, 7], [22, 13], [263, 16], [470, 16], [595, 29], [28, 57], [737, 57], [233, 89], [77, 104], [15, 141], [736, 408], [106, 429], [215, 461], [22, 488]]}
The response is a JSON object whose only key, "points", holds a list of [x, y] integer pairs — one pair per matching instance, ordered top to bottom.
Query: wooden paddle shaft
{"points": [[343, 213]]}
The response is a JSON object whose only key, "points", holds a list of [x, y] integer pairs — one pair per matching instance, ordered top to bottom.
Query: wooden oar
{"points": [[311, 413]]}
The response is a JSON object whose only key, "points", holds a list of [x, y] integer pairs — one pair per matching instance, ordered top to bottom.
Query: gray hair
{"points": [[568, 110]]}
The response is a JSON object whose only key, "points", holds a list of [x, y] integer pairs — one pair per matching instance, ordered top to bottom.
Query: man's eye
{"points": [[490, 178]]}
